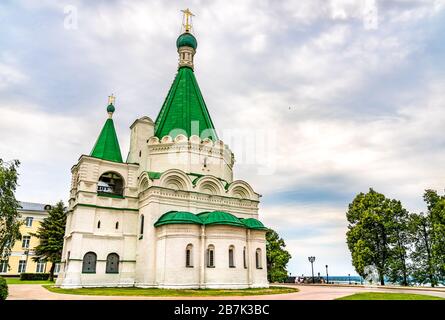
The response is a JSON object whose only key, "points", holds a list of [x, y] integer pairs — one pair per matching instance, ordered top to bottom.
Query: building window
{"points": [[111, 183], [28, 221], [98, 224], [117, 225], [141, 230], [25, 242], [189, 256], [211, 256], [231, 257], [244, 258], [258, 258], [89, 263], [112, 263], [3, 266], [22, 266], [40, 266], [57, 268]]}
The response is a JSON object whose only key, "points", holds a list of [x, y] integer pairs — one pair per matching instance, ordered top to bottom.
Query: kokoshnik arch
{"points": [[171, 215]]}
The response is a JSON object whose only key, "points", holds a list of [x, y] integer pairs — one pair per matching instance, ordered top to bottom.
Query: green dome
{"points": [[186, 40], [110, 108], [177, 217], [220, 217], [252, 223]]}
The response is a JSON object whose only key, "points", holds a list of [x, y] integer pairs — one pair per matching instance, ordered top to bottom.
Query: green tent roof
{"points": [[184, 109], [107, 145], [178, 217], [220, 217], [253, 223]]}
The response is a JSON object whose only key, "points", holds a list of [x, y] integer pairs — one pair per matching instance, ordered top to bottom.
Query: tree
{"points": [[10, 218], [51, 233], [376, 235], [277, 257], [423, 268]]}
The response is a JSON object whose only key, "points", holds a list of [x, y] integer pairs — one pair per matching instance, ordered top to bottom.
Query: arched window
{"points": [[110, 183], [98, 224], [117, 225], [141, 230], [189, 256], [211, 256], [231, 257], [244, 258], [258, 259], [89, 263], [112, 263]]}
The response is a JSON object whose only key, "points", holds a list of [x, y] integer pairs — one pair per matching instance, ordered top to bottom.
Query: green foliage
{"points": [[9, 216], [50, 234], [376, 235], [277, 257], [34, 276], [3, 289], [388, 296]]}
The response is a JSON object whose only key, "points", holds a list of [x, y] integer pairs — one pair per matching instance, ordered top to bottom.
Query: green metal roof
{"points": [[186, 40], [183, 109], [107, 145], [154, 175], [178, 217], [220, 217], [208, 218], [253, 223]]}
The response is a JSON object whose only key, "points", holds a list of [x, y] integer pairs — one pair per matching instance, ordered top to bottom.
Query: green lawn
{"points": [[18, 281], [154, 292], [388, 296]]}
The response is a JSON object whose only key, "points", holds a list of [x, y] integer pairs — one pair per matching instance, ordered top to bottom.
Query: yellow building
{"points": [[20, 259]]}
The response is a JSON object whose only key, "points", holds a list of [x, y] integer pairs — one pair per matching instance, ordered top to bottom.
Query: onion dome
{"points": [[186, 40], [110, 108]]}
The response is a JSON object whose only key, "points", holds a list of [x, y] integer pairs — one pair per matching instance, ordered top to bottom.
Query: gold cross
{"points": [[187, 14], [111, 99]]}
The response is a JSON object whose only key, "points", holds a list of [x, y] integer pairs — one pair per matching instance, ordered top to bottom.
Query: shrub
{"points": [[34, 276], [3, 289]]}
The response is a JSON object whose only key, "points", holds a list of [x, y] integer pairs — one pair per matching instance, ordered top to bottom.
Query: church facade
{"points": [[171, 215]]}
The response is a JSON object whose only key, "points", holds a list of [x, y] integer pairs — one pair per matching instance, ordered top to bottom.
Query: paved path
{"points": [[307, 292]]}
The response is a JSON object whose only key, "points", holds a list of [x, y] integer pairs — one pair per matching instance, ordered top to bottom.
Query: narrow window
{"points": [[140, 153], [28, 221], [98, 224], [117, 225], [141, 230], [25, 242], [188, 256], [211, 256], [231, 257], [244, 258], [258, 258], [89, 263], [112, 263], [3, 266], [22, 266], [40, 266], [57, 268]]}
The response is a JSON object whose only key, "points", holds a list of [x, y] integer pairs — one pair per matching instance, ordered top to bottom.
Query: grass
{"points": [[18, 281], [155, 292], [389, 296]]}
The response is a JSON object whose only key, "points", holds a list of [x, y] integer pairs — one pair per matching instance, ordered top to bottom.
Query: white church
{"points": [[171, 215]]}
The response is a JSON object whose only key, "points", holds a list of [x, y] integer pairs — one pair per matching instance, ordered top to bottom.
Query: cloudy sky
{"points": [[325, 98]]}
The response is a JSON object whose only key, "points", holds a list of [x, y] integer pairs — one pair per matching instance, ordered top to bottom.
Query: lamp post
{"points": [[27, 254], [311, 260], [327, 274], [349, 278]]}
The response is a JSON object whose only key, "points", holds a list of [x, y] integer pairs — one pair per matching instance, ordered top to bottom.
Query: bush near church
{"points": [[34, 276], [3, 289]]}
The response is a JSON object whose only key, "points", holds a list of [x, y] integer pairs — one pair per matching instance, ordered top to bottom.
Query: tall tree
{"points": [[10, 218], [50, 234], [374, 234], [277, 257], [423, 265]]}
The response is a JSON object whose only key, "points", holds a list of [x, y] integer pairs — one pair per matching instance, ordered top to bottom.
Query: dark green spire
{"points": [[184, 108], [107, 145]]}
